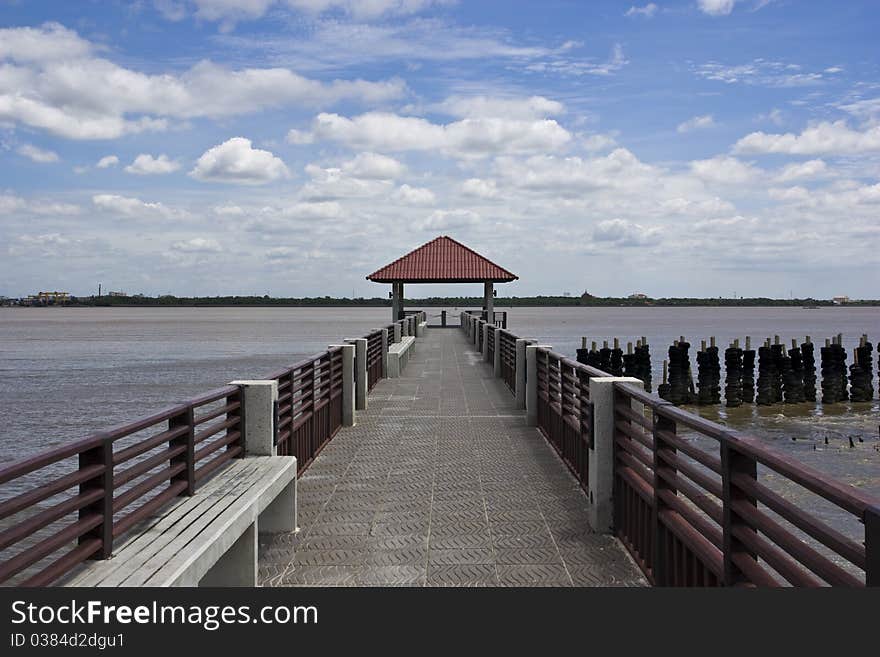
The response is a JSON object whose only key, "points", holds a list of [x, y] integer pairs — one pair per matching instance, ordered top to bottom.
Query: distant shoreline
{"points": [[463, 303]]}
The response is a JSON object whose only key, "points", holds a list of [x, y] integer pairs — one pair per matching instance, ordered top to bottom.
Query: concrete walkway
{"points": [[441, 483]]}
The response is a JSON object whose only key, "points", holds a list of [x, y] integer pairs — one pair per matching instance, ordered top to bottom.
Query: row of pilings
{"points": [[636, 362], [771, 374]]}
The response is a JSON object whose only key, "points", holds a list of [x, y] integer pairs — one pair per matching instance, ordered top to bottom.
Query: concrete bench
{"points": [[421, 327], [398, 355], [209, 539]]}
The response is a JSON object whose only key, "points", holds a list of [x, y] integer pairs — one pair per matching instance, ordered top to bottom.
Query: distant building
{"points": [[117, 294], [638, 295], [52, 298], [840, 300]]}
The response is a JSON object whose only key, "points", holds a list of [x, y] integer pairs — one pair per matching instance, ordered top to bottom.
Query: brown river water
{"points": [[65, 372]]}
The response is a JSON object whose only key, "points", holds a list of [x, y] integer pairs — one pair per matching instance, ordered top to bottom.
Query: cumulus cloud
{"points": [[716, 7], [648, 11], [54, 80], [533, 107], [696, 123], [476, 137], [825, 138], [37, 154], [107, 161], [236, 161], [147, 165], [373, 166], [725, 170], [801, 170], [479, 188], [408, 195], [12, 204], [128, 206], [449, 220], [622, 232], [197, 245]]}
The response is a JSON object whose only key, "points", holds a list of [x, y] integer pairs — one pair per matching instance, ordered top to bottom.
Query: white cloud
{"points": [[716, 7], [648, 11], [230, 12], [567, 66], [760, 72], [51, 79], [534, 107], [774, 116], [696, 123], [299, 137], [466, 138], [823, 138], [595, 143], [37, 154], [107, 161], [236, 161], [147, 165], [373, 166], [724, 170], [797, 171], [479, 188], [414, 195], [11, 204], [128, 206], [314, 211], [449, 219], [622, 232], [197, 245]]}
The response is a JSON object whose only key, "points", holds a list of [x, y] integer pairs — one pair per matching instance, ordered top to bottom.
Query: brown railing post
{"points": [[239, 413], [100, 455], [188, 456], [733, 463], [872, 546], [660, 556]]}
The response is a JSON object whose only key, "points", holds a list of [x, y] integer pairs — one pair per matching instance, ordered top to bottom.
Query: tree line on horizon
{"points": [[461, 301]]}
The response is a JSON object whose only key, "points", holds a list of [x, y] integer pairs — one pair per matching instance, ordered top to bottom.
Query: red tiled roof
{"points": [[442, 260]]}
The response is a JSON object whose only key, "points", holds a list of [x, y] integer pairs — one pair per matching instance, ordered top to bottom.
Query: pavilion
{"points": [[442, 260]]}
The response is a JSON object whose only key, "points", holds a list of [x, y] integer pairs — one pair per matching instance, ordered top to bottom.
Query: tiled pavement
{"points": [[441, 483]]}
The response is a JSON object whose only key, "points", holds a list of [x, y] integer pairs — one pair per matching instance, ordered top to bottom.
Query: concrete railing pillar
{"points": [[404, 328], [397, 333], [485, 347], [384, 353], [496, 364], [360, 368], [532, 382], [519, 390], [348, 393], [259, 402], [601, 472]]}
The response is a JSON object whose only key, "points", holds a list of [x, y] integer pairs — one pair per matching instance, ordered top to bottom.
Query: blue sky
{"points": [[289, 147]]}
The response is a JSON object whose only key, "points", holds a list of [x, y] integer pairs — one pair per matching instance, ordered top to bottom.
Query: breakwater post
{"points": [[808, 358], [833, 364], [733, 368], [748, 372], [708, 374], [861, 375], [793, 381]]}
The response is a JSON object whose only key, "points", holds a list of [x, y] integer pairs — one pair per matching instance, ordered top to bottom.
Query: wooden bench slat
{"points": [[171, 549]]}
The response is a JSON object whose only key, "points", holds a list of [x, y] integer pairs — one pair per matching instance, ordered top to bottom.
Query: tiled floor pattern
{"points": [[441, 483]]}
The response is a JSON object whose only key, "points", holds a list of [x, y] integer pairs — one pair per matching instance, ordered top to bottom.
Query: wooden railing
{"points": [[507, 345], [374, 358], [309, 406], [565, 412], [69, 504], [698, 504]]}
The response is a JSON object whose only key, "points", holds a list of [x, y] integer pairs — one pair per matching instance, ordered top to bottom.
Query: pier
{"points": [[460, 456], [443, 483]]}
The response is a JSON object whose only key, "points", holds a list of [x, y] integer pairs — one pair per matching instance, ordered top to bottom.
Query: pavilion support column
{"points": [[400, 293], [396, 300], [489, 301]]}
